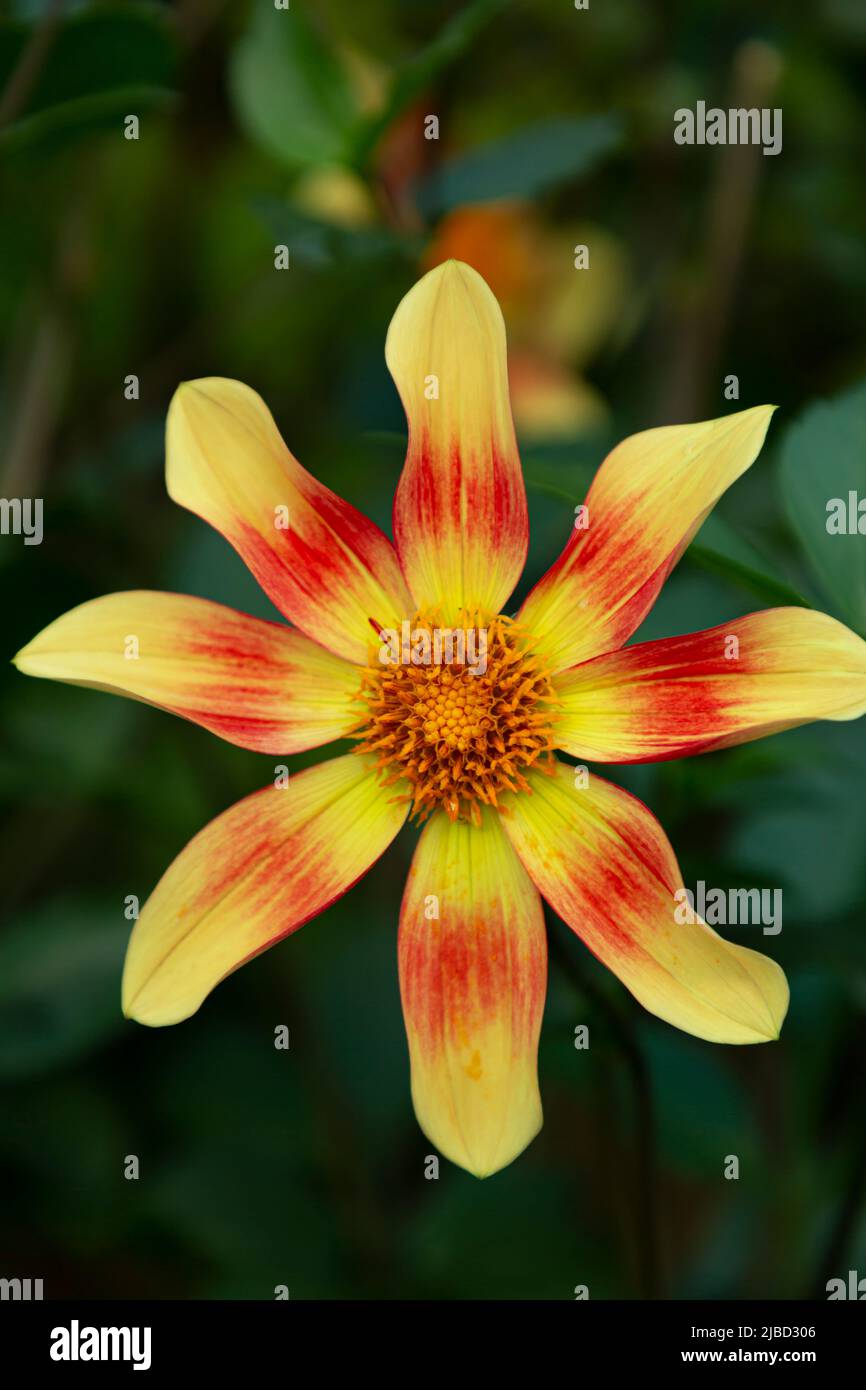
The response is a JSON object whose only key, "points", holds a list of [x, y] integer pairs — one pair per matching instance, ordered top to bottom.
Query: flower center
{"points": [[459, 712]]}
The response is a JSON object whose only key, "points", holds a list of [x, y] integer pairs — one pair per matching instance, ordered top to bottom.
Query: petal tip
{"points": [[455, 271], [455, 297], [188, 391], [209, 391], [759, 416], [25, 660], [771, 987], [152, 1012], [472, 1153], [504, 1154]]}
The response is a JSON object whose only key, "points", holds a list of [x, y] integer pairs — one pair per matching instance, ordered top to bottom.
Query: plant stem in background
{"points": [[699, 337], [646, 1187]]}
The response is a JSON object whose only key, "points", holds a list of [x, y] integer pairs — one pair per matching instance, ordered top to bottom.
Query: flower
{"points": [[469, 752]]}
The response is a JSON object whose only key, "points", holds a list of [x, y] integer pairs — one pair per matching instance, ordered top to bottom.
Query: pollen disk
{"points": [[459, 713]]}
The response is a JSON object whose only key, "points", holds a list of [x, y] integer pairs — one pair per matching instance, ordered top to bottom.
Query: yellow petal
{"points": [[645, 504], [460, 520], [322, 562], [740, 681], [257, 684], [603, 862], [252, 876], [473, 967]]}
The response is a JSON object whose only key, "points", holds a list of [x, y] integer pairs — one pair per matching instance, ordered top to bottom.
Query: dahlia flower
{"points": [[467, 749]]}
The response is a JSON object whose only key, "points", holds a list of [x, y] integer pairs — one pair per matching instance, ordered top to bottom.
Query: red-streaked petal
{"points": [[645, 504], [460, 519], [322, 562], [739, 681], [257, 684], [602, 860], [252, 876], [473, 971]]}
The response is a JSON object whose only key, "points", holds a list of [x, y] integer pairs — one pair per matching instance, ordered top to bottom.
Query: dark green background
{"points": [[155, 257]]}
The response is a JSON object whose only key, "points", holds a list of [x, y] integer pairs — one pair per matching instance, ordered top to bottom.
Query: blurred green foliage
{"points": [[155, 257]]}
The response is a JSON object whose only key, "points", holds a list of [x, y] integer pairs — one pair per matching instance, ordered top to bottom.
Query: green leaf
{"points": [[101, 65], [418, 72], [292, 95], [85, 114], [522, 164], [824, 458], [723, 551], [815, 817]]}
